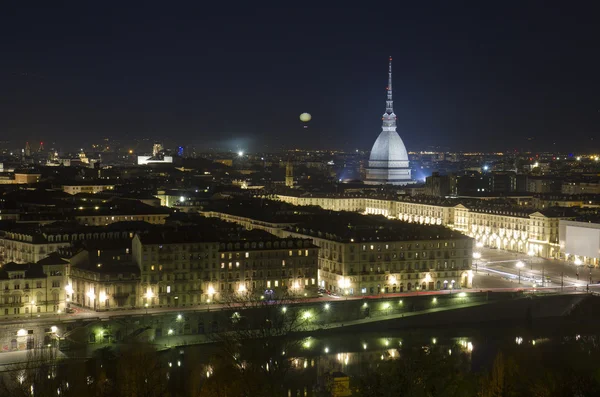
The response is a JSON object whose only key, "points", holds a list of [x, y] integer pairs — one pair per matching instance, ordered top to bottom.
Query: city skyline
{"points": [[206, 77]]}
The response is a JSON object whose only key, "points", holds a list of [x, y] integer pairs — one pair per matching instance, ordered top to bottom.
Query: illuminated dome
{"points": [[388, 148]]}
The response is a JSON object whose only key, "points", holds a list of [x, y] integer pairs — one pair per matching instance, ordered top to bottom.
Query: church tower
{"points": [[289, 174]]}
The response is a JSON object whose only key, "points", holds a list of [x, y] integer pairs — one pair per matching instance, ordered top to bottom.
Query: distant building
{"points": [[157, 148], [144, 160], [388, 162], [289, 174], [27, 178], [503, 182], [543, 184], [440, 185], [581, 187], [87, 188]]}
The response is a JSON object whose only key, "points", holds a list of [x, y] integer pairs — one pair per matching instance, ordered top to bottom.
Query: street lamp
{"points": [[531, 254], [476, 256], [577, 264], [519, 266], [211, 292], [90, 294], [146, 306]]}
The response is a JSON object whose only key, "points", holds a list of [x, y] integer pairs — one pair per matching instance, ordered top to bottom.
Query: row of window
{"points": [[38, 284]]}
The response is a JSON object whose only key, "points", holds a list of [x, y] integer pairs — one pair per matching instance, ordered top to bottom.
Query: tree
{"points": [[258, 342]]}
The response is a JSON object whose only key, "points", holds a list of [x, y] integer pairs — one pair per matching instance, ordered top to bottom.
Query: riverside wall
{"points": [[197, 326]]}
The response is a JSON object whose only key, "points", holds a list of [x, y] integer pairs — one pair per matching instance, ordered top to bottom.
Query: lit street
{"points": [[503, 264]]}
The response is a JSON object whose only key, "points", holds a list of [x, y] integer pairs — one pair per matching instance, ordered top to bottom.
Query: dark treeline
{"points": [[569, 368]]}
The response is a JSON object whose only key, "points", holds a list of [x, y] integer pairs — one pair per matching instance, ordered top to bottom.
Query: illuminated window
{"points": [[299, 252], [305, 252], [291, 253], [247, 255], [283, 263], [237, 264], [222, 265], [230, 266], [152, 267], [312, 281], [277, 283], [268, 284], [168, 289]]}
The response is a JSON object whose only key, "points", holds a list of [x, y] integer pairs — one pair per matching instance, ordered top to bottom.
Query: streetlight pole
{"points": [[531, 254], [476, 256], [519, 265]]}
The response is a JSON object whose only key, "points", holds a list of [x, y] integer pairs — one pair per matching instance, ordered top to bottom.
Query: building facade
{"points": [[86, 188], [507, 227], [183, 269], [30, 289]]}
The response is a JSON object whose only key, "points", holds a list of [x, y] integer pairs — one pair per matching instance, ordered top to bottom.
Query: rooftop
{"points": [[261, 209], [352, 227], [32, 270]]}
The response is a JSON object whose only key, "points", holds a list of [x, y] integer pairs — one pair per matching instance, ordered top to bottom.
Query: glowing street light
{"points": [[476, 256], [519, 266]]}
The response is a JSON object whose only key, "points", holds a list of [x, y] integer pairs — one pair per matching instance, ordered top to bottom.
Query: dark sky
{"points": [[466, 75]]}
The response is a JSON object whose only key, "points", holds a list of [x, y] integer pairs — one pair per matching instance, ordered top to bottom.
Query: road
{"points": [[503, 264]]}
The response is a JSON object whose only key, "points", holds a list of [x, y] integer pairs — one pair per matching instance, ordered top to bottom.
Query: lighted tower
{"points": [[41, 148], [157, 148], [27, 149], [388, 162], [289, 174]]}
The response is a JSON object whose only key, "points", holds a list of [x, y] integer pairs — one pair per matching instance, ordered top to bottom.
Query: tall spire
{"points": [[389, 103], [389, 118]]}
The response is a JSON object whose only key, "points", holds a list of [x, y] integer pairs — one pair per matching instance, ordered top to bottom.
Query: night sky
{"points": [[220, 74]]}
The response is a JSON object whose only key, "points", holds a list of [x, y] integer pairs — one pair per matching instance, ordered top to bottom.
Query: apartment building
{"points": [[32, 243], [186, 268], [30, 289]]}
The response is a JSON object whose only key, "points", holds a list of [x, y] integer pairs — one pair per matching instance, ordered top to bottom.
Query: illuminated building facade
{"points": [[511, 228], [183, 269]]}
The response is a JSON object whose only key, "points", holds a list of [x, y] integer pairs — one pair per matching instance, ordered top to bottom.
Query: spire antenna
{"points": [[389, 118]]}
